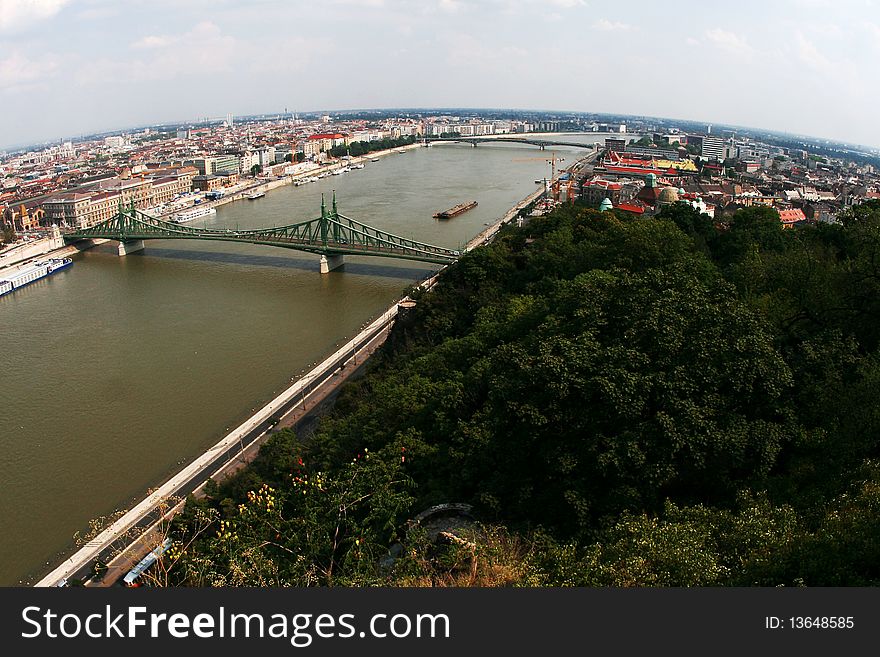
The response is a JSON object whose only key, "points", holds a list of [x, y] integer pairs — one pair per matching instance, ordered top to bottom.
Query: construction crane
{"points": [[552, 160]]}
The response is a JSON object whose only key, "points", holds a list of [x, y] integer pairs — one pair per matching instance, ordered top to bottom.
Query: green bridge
{"points": [[332, 236]]}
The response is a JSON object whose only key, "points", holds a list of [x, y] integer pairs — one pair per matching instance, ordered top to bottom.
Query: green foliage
{"points": [[359, 148], [629, 402], [316, 528]]}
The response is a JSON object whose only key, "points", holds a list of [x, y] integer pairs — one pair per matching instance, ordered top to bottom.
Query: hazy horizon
{"points": [[75, 67]]}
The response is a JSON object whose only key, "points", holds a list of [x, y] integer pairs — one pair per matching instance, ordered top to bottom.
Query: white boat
{"points": [[375, 159], [357, 166], [255, 196], [192, 215], [32, 272]]}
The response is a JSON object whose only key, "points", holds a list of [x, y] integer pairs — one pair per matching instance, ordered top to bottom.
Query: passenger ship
{"points": [[192, 215], [31, 273]]}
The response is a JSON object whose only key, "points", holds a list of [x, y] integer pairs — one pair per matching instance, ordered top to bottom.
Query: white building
{"points": [[114, 142]]}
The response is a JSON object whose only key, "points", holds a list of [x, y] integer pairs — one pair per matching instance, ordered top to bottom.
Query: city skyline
{"points": [[72, 67]]}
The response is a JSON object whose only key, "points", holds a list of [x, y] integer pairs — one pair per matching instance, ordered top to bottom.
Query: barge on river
{"points": [[455, 211]]}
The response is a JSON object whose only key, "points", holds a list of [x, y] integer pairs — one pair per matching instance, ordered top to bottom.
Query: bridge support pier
{"points": [[125, 248], [329, 263]]}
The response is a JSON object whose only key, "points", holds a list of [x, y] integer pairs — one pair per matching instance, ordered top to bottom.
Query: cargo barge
{"points": [[457, 210]]}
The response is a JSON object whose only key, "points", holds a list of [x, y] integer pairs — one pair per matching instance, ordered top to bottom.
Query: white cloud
{"points": [[360, 3], [450, 6], [15, 14], [605, 25], [201, 35], [729, 41], [153, 42], [203, 49], [475, 54], [810, 55], [18, 72]]}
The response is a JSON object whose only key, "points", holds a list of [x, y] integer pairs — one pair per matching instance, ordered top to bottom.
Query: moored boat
{"points": [[192, 215], [33, 272]]}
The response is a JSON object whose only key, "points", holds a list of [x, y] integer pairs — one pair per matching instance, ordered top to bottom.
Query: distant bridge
{"points": [[474, 141], [332, 236]]}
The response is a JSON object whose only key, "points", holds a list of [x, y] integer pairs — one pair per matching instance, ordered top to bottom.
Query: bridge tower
{"points": [[128, 246], [330, 262]]}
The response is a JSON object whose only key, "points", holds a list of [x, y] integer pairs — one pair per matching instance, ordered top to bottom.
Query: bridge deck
{"points": [[331, 234]]}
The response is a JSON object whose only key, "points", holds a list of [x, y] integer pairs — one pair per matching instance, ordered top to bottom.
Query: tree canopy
{"points": [[649, 402]]}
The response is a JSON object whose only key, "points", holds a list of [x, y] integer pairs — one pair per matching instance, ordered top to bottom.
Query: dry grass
{"points": [[476, 557]]}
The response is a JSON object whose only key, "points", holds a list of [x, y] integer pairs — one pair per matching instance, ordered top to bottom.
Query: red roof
{"points": [[328, 135], [629, 207], [791, 216]]}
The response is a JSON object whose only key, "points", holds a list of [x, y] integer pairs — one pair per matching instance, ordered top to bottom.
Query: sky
{"points": [[72, 67]]}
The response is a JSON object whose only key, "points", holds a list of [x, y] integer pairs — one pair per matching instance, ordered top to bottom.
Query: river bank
{"points": [[268, 185], [55, 247], [188, 339], [240, 446]]}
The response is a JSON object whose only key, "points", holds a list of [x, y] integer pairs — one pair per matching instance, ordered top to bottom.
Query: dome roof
{"points": [[668, 195], [606, 204]]}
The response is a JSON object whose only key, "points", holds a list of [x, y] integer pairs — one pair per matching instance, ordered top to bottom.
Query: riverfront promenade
{"points": [[267, 185]]}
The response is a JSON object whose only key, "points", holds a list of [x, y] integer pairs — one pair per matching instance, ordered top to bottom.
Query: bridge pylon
{"points": [[131, 246]]}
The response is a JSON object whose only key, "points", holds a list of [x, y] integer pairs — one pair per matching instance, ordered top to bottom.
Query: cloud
{"points": [[360, 3], [450, 6], [514, 6], [16, 14], [605, 25], [203, 34], [729, 41], [153, 42], [204, 48], [476, 55], [810, 55], [18, 72]]}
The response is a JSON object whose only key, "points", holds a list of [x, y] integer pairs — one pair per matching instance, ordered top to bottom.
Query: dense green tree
{"points": [[630, 402]]}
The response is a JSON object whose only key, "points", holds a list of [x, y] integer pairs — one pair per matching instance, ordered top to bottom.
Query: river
{"points": [[117, 371]]}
